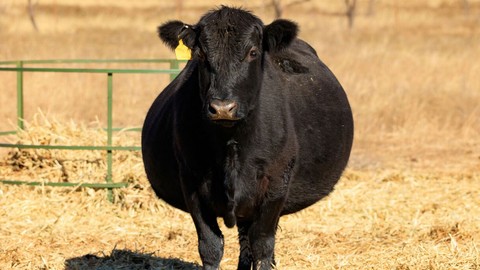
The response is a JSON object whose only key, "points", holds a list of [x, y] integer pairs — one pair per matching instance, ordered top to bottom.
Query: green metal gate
{"points": [[20, 67]]}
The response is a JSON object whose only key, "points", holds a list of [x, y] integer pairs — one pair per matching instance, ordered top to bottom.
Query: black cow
{"points": [[253, 128]]}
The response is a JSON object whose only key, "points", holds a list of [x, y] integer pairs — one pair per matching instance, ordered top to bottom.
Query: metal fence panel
{"points": [[19, 68]]}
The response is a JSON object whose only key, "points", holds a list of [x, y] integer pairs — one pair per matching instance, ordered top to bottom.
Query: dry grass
{"points": [[410, 198], [377, 219]]}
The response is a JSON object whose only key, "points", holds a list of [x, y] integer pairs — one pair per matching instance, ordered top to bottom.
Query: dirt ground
{"points": [[409, 199]]}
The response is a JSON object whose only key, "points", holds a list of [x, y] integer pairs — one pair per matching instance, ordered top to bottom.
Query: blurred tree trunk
{"points": [[466, 6], [277, 8], [350, 13], [31, 14]]}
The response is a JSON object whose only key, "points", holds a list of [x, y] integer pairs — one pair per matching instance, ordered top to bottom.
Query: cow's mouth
{"points": [[225, 123]]}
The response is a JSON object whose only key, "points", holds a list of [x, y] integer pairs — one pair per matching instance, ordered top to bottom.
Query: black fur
{"points": [[169, 32], [279, 34], [282, 148]]}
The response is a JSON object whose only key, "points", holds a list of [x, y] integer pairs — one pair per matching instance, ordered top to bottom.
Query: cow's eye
{"points": [[252, 54]]}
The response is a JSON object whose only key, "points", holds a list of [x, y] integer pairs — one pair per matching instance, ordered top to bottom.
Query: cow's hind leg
{"points": [[245, 260]]}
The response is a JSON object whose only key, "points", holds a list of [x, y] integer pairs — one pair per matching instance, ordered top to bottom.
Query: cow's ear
{"points": [[171, 32], [279, 34]]}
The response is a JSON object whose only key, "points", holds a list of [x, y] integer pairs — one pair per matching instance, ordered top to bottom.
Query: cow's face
{"points": [[229, 45]]}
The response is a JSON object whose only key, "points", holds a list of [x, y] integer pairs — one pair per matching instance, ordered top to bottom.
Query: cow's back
{"points": [[323, 123]]}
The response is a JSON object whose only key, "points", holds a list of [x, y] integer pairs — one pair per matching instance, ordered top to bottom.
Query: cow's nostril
{"points": [[231, 107], [222, 109], [212, 110]]}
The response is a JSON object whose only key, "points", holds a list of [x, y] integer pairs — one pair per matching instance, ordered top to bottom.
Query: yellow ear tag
{"points": [[182, 52]]}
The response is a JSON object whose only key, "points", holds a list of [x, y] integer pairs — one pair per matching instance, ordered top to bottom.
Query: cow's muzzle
{"points": [[223, 112]]}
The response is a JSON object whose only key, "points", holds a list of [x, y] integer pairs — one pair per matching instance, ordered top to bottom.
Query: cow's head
{"points": [[230, 45]]}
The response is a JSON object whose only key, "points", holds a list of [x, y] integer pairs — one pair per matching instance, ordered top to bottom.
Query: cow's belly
{"points": [[325, 140], [161, 169], [170, 191]]}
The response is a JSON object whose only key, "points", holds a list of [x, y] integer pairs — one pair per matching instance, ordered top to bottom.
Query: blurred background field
{"points": [[409, 199]]}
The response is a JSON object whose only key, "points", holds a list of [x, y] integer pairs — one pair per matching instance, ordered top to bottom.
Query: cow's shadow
{"points": [[127, 259]]}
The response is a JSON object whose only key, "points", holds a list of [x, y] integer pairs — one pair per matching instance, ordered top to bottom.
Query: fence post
{"points": [[20, 111], [108, 178]]}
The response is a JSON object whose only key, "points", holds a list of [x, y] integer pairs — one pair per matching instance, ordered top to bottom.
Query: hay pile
{"points": [[75, 166], [399, 218]]}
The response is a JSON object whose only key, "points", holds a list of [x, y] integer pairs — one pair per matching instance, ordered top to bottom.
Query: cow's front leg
{"points": [[262, 234], [210, 238]]}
